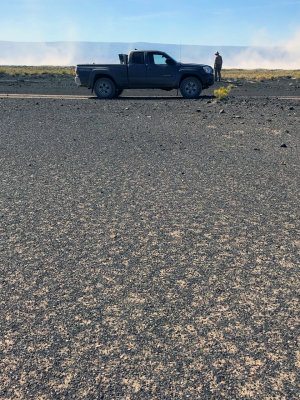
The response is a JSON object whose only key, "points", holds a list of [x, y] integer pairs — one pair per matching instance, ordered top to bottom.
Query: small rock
{"points": [[291, 108], [198, 110], [222, 111], [283, 145], [256, 148], [283, 163], [221, 378]]}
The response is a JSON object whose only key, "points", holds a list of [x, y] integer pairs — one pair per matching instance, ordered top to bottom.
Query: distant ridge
{"points": [[72, 53]]}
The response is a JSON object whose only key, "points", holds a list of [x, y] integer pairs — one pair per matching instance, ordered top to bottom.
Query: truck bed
{"points": [[88, 70]]}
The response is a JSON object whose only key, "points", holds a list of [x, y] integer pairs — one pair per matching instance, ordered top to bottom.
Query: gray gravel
{"points": [[150, 247]]}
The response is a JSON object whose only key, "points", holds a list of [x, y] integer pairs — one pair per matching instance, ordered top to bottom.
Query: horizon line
{"points": [[158, 43]]}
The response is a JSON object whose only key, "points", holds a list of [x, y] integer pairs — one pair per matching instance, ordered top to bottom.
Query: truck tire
{"points": [[105, 88], [190, 88]]}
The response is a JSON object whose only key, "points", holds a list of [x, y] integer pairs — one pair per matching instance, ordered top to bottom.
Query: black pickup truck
{"points": [[144, 69]]}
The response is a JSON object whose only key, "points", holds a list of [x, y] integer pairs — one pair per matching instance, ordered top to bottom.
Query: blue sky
{"points": [[211, 22]]}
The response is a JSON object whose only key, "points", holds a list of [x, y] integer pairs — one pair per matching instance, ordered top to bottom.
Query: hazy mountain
{"points": [[72, 53]]}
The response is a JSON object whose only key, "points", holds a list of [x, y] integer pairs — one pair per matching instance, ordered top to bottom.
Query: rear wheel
{"points": [[105, 88], [190, 88]]}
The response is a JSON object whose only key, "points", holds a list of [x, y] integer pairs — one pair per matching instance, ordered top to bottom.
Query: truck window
{"points": [[137, 58], [159, 59]]}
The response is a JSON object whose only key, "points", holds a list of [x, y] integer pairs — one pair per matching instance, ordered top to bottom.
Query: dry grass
{"points": [[34, 70], [251, 74], [259, 74]]}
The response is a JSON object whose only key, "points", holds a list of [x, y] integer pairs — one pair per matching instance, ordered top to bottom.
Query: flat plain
{"points": [[149, 244]]}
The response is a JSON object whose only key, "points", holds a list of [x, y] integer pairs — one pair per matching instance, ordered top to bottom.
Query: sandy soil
{"points": [[149, 246]]}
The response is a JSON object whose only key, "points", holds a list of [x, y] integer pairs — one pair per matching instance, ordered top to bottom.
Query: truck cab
{"points": [[151, 69]]}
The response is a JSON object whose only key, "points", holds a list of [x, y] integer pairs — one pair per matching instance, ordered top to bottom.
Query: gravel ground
{"points": [[47, 84], [150, 247]]}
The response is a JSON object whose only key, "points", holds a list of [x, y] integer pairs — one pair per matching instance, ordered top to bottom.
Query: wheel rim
{"points": [[191, 87], [104, 89]]}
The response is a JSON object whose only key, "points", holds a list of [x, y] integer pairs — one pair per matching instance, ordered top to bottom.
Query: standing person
{"points": [[218, 66]]}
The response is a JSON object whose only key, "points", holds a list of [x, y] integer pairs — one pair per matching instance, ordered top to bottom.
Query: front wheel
{"points": [[105, 88], [190, 88]]}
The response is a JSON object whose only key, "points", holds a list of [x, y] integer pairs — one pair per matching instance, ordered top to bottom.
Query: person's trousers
{"points": [[217, 73]]}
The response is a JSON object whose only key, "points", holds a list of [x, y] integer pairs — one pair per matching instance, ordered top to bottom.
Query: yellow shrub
{"points": [[222, 93]]}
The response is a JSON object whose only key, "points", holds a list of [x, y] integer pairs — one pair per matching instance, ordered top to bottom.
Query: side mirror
{"points": [[169, 61]]}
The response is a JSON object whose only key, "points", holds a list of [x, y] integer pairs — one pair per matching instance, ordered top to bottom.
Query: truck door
{"points": [[137, 70], [161, 70]]}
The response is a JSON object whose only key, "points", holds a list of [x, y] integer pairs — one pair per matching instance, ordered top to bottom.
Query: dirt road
{"points": [[91, 97]]}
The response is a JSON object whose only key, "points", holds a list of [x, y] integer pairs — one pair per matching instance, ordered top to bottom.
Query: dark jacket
{"points": [[218, 61]]}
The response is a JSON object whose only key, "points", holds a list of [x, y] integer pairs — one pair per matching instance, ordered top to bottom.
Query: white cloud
{"points": [[41, 54], [283, 55]]}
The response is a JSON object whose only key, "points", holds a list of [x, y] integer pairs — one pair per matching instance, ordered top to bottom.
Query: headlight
{"points": [[208, 69]]}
